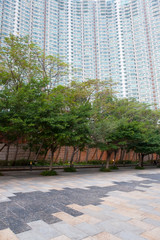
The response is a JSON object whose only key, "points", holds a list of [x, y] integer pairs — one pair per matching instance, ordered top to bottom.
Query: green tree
{"points": [[22, 60], [27, 77], [122, 123]]}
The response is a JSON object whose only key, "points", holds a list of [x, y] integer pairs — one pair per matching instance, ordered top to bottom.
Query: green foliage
{"points": [[35, 109], [125, 162], [41, 163], [113, 167], [139, 168], [70, 169], [103, 169], [49, 173], [1, 174]]}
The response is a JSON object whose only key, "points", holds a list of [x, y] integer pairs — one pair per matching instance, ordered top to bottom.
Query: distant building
{"points": [[117, 39]]}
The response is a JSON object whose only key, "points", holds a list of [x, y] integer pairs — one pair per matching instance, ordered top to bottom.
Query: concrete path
{"points": [[88, 205]]}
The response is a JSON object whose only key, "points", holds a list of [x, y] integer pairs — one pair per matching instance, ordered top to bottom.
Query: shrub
{"points": [[20, 162], [125, 162], [2, 163], [41, 163], [113, 167], [139, 168], [70, 169], [103, 169], [49, 173], [1, 174]]}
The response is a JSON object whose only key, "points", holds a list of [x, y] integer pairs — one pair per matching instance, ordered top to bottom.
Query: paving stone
{"points": [[104, 200], [105, 207], [88, 219], [152, 222], [15, 224], [141, 224], [2, 225], [115, 226], [43, 229], [89, 229], [69, 231], [7, 234], [153, 234], [30, 235], [127, 235], [105, 236], [62, 237]]}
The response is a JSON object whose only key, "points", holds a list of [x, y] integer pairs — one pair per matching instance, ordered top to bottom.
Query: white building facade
{"points": [[104, 39]]}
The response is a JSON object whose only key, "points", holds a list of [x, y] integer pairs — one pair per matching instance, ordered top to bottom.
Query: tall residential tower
{"points": [[105, 39]]}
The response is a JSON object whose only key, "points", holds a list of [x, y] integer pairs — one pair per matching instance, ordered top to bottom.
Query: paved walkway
{"points": [[88, 205]]}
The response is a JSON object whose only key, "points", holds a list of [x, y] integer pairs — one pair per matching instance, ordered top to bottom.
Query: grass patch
{"points": [[113, 167], [139, 168], [70, 169], [103, 169], [49, 173], [1, 174]]}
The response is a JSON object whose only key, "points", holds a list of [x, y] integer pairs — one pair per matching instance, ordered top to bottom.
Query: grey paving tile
{"points": [[27, 205], [106, 207], [95, 214], [50, 219], [152, 222], [15, 224], [2, 225], [115, 226], [43, 229], [89, 229], [69, 231], [30, 235], [127, 235]]}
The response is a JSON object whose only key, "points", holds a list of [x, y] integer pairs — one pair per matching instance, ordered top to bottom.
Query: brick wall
{"points": [[64, 154]]}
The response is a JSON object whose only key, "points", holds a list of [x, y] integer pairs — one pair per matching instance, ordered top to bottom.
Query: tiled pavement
{"points": [[88, 205]]}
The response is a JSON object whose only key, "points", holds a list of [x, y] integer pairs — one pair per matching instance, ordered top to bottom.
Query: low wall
{"points": [[63, 154]]}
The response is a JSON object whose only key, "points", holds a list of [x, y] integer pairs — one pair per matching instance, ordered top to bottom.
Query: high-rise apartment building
{"points": [[105, 39]]}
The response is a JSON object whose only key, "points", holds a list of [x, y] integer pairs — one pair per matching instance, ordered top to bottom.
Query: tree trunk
{"points": [[3, 147], [59, 149], [7, 154], [45, 154], [65, 154], [87, 154], [94, 154], [97, 154], [115, 154], [122, 154], [29, 155], [37, 155], [77, 155], [101, 155], [129, 155], [15, 156], [72, 157], [133, 157], [152, 157], [108, 158], [139, 158], [79, 159], [142, 160], [51, 162]]}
